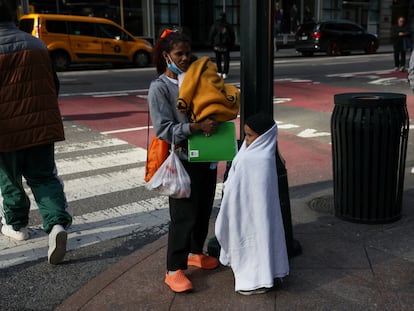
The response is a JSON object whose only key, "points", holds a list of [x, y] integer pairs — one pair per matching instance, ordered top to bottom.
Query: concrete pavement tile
{"points": [[396, 239], [402, 247], [328, 249], [394, 278], [207, 280], [107, 285], [141, 285], [328, 289], [214, 290], [355, 290], [264, 302], [126, 306]]}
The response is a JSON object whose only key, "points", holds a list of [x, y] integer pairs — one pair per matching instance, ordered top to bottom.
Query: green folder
{"points": [[220, 146]]}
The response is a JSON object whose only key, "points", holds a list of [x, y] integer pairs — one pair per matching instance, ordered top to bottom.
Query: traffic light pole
{"points": [[256, 50]]}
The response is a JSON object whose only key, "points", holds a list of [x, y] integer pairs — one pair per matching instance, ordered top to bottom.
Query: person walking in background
{"points": [[308, 16], [278, 18], [294, 19], [277, 25], [222, 37], [401, 43], [30, 124], [189, 217], [249, 225]]}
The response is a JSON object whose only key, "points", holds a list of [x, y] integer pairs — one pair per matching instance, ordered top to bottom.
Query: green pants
{"points": [[37, 166]]}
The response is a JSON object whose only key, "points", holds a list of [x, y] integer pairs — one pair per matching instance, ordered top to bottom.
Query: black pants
{"points": [[225, 57], [399, 57], [190, 217]]}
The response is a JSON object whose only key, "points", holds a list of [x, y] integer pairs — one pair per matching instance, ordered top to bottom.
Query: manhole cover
{"points": [[323, 205]]}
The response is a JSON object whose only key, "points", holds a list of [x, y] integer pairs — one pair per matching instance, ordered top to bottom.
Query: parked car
{"points": [[334, 37], [84, 39]]}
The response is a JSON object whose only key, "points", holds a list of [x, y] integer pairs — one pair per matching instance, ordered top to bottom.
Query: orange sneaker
{"points": [[203, 261], [178, 282]]}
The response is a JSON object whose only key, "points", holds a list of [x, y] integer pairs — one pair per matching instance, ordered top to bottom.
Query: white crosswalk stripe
{"points": [[61, 148], [98, 161], [94, 167], [82, 188], [88, 229]]}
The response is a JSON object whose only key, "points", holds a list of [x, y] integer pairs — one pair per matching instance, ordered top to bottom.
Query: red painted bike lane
{"points": [[316, 96], [307, 159]]}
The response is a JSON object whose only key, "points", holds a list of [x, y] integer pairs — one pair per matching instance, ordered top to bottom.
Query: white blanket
{"points": [[249, 226]]}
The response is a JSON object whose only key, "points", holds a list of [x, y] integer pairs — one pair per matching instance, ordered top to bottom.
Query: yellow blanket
{"points": [[204, 94]]}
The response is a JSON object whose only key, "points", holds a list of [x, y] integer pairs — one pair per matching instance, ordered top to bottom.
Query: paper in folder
{"points": [[220, 146]]}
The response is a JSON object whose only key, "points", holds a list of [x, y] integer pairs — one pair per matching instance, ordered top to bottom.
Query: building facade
{"points": [[147, 18]]}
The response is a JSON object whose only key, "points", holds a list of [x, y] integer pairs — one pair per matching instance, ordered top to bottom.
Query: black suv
{"points": [[334, 37]]}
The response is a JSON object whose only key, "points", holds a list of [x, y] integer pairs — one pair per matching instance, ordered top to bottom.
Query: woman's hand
{"points": [[207, 126]]}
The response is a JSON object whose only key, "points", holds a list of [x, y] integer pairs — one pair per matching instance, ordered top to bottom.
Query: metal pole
{"points": [[57, 7], [121, 9], [150, 21], [256, 50]]}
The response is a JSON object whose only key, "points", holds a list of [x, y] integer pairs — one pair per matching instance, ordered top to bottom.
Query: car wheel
{"points": [[372, 47], [333, 49], [307, 53], [141, 59], [60, 60]]}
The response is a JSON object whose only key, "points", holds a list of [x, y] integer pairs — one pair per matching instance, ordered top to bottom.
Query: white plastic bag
{"points": [[171, 178]]}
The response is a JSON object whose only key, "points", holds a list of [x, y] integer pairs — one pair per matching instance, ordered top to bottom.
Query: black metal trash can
{"points": [[369, 147]]}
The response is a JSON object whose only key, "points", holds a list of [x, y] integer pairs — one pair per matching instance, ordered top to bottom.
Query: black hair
{"points": [[8, 10], [167, 44], [260, 122]]}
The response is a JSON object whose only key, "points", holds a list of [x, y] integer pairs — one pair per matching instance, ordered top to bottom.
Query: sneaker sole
{"points": [[15, 235], [59, 250], [177, 289], [252, 292]]}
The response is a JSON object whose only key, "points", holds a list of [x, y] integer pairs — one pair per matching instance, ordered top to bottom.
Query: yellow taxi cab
{"points": [[84, 39]]}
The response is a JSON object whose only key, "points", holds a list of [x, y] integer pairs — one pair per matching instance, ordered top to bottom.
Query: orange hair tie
{"points": [[166, 32]]}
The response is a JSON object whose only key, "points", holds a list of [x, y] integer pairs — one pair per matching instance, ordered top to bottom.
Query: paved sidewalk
{"points": [[343, 266]]}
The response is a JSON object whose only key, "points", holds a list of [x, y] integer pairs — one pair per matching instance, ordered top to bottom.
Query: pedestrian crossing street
{"points": [[105, 189]]}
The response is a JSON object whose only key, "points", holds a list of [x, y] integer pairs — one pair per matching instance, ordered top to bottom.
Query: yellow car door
{"points": [[116, 43], [85, 44]]}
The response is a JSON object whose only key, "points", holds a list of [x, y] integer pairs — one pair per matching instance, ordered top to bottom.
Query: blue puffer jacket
{"points": [[29, 111]]}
